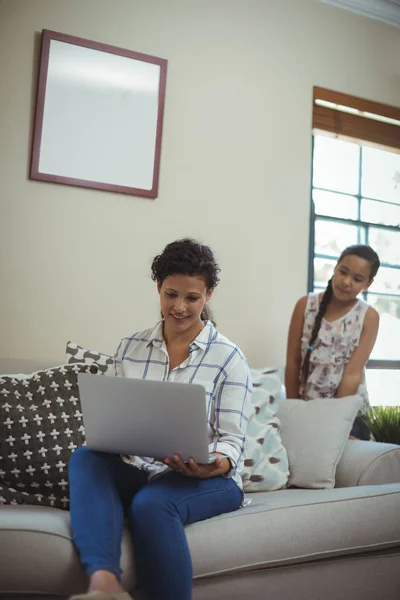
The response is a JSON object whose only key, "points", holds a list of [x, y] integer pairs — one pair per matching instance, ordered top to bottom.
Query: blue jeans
{"points": [[104, 490]]}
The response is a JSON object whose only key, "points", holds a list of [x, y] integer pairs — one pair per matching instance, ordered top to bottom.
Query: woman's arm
{"points": [[293, 352], [354, 368], [231, 408], [231, 411]]}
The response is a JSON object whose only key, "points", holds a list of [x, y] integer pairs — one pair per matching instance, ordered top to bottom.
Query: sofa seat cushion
{"points": [[296, 525], [277, 528], [41, 558]]}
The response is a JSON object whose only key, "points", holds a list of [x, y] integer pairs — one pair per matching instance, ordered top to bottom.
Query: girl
{"points": [[332, 334], [160, 497]]}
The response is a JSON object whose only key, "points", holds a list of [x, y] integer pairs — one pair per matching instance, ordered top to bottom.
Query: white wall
{"points": [[235, 166]]}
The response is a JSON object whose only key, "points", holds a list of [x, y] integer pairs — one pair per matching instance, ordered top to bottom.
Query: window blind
{"points": [[355, 118]]}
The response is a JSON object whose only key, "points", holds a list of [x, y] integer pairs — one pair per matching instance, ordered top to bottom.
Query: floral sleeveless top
{"points": [[333, 348]]}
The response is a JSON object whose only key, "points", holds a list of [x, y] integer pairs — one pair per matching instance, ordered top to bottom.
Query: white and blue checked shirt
{"points": [[213, 362]]}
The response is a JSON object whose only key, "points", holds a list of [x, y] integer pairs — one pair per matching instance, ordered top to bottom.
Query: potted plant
{"points": [[384, 423]]}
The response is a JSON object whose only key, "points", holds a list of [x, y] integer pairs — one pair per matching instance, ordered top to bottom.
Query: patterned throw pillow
{"points": [[78, 354], [40, 427], [266, 466]]}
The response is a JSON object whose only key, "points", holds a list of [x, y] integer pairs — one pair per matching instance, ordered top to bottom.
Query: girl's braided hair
{"points": [[361, 250], [187, 257]]}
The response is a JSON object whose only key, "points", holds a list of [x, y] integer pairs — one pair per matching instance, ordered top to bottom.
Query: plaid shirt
{"points": [[215, 363]]}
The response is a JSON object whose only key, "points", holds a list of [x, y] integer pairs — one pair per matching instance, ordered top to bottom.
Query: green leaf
{"points": [[384, 423]]}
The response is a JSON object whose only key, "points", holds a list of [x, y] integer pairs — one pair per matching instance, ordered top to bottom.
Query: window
{"points": [[356, 200]]}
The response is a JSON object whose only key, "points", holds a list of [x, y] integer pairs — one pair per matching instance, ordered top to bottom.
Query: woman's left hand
{"points": [[219, 467]]}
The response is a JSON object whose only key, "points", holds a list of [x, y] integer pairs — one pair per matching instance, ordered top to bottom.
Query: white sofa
{"points": [[331, 544]]}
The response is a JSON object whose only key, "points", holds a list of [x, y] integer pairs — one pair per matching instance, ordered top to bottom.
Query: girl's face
{"points": [[351, 276], [182, 299]]}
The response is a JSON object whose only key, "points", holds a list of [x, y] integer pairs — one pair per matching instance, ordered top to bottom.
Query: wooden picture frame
{"points": [[99, 116]]}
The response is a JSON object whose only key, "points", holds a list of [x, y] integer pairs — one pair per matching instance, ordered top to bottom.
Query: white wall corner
{"points": [[387, 11]]}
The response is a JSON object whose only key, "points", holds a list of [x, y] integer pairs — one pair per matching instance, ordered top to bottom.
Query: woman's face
{"points": [[352, 275], [182, 299]]}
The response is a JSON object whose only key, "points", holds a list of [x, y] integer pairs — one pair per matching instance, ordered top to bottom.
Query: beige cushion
{"points": [[314, 433]]}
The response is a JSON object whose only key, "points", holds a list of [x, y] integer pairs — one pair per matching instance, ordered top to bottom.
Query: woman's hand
{"points": [[219, 467]]}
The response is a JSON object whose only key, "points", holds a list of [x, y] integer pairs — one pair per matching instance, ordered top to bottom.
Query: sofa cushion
{"points": [[79, 354], [40, 426], [315, 433], [265, 458], [367, 463], [296, 525], [277, 529]]}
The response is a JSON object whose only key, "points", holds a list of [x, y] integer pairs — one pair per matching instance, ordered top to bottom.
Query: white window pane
{"points": [[336, 165], [380, 170], [335, 205], [378, 212], [332, 238], [386, 244], [323, 271], [387, 281], [387, 345], [383, 387]]}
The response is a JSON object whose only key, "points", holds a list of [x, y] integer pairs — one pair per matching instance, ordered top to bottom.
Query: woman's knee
{"points": [[80, 455], [83, 458], [147, 505]]}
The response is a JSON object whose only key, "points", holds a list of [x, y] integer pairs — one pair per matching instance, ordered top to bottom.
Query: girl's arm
{"points": [[293, 353], [354, 368]]}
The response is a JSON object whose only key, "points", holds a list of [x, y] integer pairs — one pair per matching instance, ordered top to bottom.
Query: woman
{"points": [[332, 334], [161, 497]]}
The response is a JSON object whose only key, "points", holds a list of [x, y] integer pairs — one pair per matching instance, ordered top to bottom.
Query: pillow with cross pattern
{"points": [[40, 426]]}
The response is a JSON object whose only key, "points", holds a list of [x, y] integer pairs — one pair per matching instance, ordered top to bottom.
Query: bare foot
{"points": [[104, 581]]}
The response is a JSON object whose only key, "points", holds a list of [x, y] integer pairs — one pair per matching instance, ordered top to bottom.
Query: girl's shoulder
{"points": [[312, 301], [301, 305], [304, 308], [365, 312], [371, 315]]}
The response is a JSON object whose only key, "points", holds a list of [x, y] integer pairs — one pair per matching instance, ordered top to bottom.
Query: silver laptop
{"points": [[144, 417]]}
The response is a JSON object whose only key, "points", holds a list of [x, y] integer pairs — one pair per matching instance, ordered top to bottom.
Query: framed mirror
{"points": [[99, 116]]}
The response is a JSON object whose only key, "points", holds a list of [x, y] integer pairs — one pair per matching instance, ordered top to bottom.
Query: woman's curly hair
{"points": [[187, 257]]}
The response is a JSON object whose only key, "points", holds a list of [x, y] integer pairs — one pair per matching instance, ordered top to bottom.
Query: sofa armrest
{"points": [[368, 463]]}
